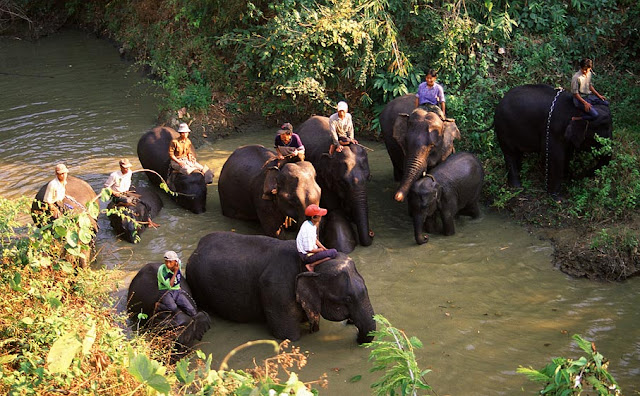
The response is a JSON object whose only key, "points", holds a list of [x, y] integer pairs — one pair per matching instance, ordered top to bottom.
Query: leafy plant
{"points": [[393, 352], [566, 377]]}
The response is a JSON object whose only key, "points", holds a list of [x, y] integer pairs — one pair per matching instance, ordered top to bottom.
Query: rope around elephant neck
{"points": [[546, 160], [164, 182]]}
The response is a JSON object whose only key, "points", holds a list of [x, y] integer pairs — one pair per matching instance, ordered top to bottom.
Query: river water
{"points": [[483, 301]]}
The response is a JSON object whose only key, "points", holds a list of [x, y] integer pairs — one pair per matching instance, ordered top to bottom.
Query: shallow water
{"points": [[483, 301]]}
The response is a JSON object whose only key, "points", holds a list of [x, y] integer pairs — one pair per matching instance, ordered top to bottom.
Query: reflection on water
{"points": [[483, 301]]}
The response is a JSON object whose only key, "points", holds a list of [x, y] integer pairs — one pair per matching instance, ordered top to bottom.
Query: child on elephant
{"points": [[584, 93], [430, 94], [311, 251], [171, 297]]}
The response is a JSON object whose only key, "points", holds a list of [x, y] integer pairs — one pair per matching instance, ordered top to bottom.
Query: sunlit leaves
{"points": [[62, 353]]}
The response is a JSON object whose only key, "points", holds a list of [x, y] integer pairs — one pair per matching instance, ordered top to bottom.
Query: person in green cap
{"points": [[171, 297]]}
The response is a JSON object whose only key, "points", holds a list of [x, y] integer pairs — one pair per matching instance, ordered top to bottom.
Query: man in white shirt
{"points": [[341, 127], [119, 182], [56, 191], [311, 251]]}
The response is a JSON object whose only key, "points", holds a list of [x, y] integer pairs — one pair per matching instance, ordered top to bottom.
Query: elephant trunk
{"points": [[414, 166], [360, 212], [418, 225], [364, 321]]}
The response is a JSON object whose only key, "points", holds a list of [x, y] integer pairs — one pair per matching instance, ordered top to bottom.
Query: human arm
{"points": [[593, 89], [416, 101], [587, 105], [443, 106], [172, 152], [320, 246]]}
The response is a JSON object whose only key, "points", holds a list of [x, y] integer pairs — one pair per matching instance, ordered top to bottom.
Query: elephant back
{"points": [[315, 136], [153, 151], [79, 190]]}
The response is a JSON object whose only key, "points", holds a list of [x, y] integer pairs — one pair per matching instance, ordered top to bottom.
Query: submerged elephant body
{"points": [[537, 118], [416, 140], [153, 152], [343, 177], [241, 187], [453, 187], [147, 205], [251, 278], [142, 298]]}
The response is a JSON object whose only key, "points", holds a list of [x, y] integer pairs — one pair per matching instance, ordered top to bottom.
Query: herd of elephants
{"points": [[248, 278]]}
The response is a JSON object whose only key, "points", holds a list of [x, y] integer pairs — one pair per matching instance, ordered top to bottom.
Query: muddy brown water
{"points": [[483, 301]]}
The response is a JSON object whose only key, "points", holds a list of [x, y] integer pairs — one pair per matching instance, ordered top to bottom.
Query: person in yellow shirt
{"points": [[182, 153]]}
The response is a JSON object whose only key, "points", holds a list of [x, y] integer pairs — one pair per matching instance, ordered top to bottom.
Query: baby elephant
{"points": [[452, 187]]}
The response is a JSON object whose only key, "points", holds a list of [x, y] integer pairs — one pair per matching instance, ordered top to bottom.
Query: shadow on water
{"points": [[483, 301]]}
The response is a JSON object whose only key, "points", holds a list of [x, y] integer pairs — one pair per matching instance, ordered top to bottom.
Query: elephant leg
{"points": [[514, 164], [556, 167], [448, 223], [431, 224], [281, 314]]}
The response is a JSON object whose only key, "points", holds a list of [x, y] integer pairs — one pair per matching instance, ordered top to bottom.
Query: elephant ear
{"points": [[400, 131], [576, 132], [451, 133], [308, 295]]}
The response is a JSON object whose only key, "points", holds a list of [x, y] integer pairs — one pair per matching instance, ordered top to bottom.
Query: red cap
{"points": [[314, 210]]}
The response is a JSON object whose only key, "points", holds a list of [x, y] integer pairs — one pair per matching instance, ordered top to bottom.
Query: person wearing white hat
{"points": [[341, 127], [182, 153], [56, 191], [171, 297]]}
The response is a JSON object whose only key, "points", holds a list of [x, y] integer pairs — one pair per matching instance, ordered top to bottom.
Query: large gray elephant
{"points": [[537, 118], [416, 140], [153, 152], [343, 177], [241, 186], [452, 187], [78, 194], [147, 204], [253, 278], [142, 297]]}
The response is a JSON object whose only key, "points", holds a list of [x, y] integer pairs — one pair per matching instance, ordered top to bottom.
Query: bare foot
{"points": [[576, 118], [309, 267]]}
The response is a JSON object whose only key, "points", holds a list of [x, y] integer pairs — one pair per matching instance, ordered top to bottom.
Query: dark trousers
{"points": [[593, 100], [308, 259], [175, 300]]}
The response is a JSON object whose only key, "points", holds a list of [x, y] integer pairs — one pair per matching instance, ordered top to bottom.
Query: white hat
{"points": [[343, 106], [183, 127], [125, 163], [61, 168], [171, 255]]}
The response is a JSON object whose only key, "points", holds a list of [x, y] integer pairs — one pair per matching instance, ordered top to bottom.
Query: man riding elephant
{"points": [[183, 155]]}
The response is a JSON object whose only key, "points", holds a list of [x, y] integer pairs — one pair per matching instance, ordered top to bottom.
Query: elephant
{"points": [[537, 118], [416, 140], [153, 152], [342, 177], [241, 187], [453, 187], [78, 194], [147, 205], [336, 232], [254, 278], [142, 297]]}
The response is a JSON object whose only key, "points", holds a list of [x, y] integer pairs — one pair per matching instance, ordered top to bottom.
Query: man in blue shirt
{"points": [[430, 95], [290, 149]]}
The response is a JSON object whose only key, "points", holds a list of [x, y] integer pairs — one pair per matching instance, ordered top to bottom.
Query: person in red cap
{"points": [[311, 251]]}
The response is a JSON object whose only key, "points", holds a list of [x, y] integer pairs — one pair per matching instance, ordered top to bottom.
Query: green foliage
{"points": [[393, 352], [566, 377]]}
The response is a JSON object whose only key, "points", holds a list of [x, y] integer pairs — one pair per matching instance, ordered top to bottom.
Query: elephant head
{"points": [[426, 140], [346, 175], [297, 189], [192, 192], [424, 198], [336, 291]]}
